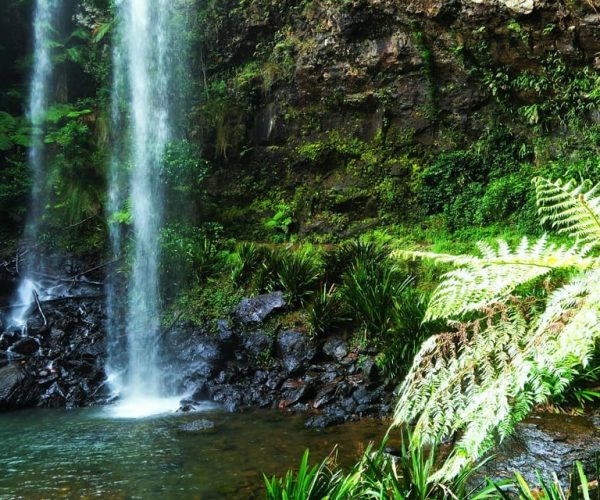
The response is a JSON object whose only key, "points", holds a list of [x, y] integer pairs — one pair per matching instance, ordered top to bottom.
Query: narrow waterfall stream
{"points": [[46, 15], [141, 118]]}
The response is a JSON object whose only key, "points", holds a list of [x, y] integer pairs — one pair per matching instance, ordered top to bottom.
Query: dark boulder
{"points": [[257, 309], [257, 343], [25, 346], [336, 348], [296, 350], [195, 355], [17, 388], [548, 443]]}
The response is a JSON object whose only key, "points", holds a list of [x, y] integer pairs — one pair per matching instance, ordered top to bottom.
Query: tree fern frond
{"points": [[570, 208], [480, 281], [464, 382], [476, 383]]}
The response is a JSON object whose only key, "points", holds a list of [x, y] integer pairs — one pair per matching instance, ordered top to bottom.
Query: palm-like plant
{"points": [[474, 384]]}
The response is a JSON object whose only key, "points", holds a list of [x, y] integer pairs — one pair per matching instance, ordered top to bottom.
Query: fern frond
{"points": [[570, 208], [480, 281], [479, 381], [463, 382]]}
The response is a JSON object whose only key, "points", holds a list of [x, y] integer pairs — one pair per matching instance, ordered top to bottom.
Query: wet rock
{"points": [[257, 309], [226, 335], [257, 343], [26, 346], [336, 348], [296, 350], [196, 356], [370, 370], [17, 388], [295, 391], [325, 396], [54, 397], [333, 417], [201, 425], [546, 443]]}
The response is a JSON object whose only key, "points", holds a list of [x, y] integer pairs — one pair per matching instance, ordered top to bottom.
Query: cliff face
{"points": [[301, 80]]}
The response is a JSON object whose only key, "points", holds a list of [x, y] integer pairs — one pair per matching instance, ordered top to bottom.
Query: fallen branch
{"points": [[114, 261], [67, 280], [36, 297], [53, 301]]}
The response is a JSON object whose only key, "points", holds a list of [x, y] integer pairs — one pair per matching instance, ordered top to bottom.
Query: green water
{"points": [[90, 454]]}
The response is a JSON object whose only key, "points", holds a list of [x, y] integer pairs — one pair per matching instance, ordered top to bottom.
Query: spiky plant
{"points": [[474, 384]]}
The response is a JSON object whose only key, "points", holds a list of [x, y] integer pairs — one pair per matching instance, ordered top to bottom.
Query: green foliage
{"points": [[14, 132], [76, 166], [183, 170], [457, 182], [15, 185], [280, 222], [365, 252], [189, 255], [246, 260], [298, 274], [370, 291], [205, 303], [325, 313], [403, 343], [483, 378], [377, 475], [308, 483], [580, 488]]}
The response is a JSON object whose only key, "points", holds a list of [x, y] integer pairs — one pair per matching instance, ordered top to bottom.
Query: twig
{"points": [[114, 261], [73, 279], [53, 301], [39, 306]]}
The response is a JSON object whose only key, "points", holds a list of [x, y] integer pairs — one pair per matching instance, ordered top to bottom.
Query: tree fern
{"points": [[570, 208], [474, 383]]}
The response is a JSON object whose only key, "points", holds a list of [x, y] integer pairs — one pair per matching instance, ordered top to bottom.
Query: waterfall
{"points": [[46, 16], [141, 120]]}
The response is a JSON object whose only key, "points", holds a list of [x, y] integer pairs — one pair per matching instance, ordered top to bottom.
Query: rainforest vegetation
{"points": [[418, 183]]}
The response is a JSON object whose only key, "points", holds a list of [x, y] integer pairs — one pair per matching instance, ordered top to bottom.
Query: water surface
{"points": [[89, 453]]}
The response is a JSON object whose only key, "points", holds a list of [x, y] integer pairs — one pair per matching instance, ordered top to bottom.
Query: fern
{"points": [[570, 208], [474, 383]]}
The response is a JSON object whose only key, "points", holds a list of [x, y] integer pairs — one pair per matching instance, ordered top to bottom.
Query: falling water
{"points": [[45, 20], [142, 86]]}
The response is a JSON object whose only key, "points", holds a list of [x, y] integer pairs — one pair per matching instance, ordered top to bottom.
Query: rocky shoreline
{"points": [[60, 363]]}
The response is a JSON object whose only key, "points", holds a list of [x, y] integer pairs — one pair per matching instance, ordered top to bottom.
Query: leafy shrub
{"points": [[183, 170], [446, 178], [462, 211], [279, 224], [347, 254], [189, 255], [246, 260], [298, 274], [266, 276], [370, 291], [325, 313], [403, 343], [376, 475], [317, 482], [579, 487]]}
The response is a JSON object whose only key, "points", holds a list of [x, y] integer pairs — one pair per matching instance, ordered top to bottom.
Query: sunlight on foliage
{"points": [[507, 353]]}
